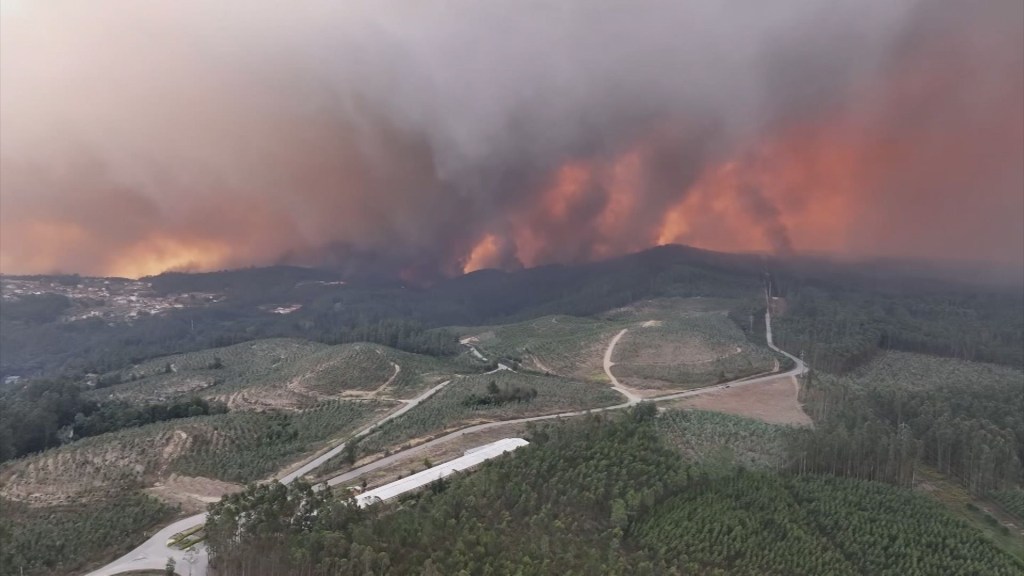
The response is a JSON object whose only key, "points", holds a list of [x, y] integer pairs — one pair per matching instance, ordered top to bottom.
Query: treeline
{"points": [[36, 308], [390, 313], [839, 321], [838, 328], [405, 335], [92, 346], [498, 395], [48, 413], [111, 416], [878, 423], [601, 497]]}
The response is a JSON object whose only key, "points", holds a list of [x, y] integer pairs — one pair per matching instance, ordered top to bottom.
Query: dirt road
{"points": [[631, 397], [153, 554]]}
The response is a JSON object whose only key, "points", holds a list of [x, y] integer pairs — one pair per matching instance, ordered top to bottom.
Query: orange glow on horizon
{"points": [[809, 179], [799, 191], [164, 254], [483, 255]]}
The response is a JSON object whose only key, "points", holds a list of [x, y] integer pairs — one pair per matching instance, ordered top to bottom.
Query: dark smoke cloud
{"points": [[393, 137]]}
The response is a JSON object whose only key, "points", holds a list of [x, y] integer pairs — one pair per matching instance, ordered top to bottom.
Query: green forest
{"points": [[837, 328], [33, 343], [912, 385], [49, 413], [965, 419], [604, 496], [66, 539]]}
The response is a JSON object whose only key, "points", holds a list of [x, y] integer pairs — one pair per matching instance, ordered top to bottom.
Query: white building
{"points": [[472, 458]]}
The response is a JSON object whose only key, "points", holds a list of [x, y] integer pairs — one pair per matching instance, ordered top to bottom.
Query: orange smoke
{"points": [[809, 180], [801, 191], [46, 247], [160, 254], [484, 255]]}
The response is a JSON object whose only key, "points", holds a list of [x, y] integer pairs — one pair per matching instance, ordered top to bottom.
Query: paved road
{"points": [[319, 460], [153, 553]]}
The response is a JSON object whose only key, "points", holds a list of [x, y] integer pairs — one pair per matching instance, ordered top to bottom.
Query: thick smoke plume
{"points": [[433, 137]]}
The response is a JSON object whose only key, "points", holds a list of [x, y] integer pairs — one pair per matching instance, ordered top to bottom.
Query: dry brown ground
{"points": [[671, 349], [647, 388], [296, 394], [266, 398], [774, 401], [78, 473], [193, 493]]}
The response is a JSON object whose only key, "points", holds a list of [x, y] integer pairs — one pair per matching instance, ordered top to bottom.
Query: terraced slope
{"points": [[282, 373], [234, 447]]}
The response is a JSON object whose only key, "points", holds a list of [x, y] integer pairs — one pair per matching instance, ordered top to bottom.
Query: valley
{"points": [[457, 288], [352, 416]]}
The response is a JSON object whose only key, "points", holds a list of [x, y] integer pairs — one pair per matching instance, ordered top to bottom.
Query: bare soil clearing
{"points": [[683, 343], [685, 350], [774, 402], [91, 469], [192, 493]]}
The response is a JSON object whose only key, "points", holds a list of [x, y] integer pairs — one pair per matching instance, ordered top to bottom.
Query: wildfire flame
{"points": [[796, 192]]}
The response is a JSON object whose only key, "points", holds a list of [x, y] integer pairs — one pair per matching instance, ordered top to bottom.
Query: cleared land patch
{"points": [[683, 343], [568, 346], [774, 402], [234, 447], [192, 493]]}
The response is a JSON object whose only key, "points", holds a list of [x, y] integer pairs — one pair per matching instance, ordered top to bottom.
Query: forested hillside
{"points": [[840, 314], [837, 327], [897, 390], [48, 413], [879, 422], [604, 497], [53, 541]]}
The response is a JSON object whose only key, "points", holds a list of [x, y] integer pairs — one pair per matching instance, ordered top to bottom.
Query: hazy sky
{"points": [[428, 136]]}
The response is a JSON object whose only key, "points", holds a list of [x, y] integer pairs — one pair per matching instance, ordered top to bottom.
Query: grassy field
{"points": [[672, 343], [677, 343], [568, 346], [282, 373], [448, 409], [711, 438], [234, 447], [66, 539]]}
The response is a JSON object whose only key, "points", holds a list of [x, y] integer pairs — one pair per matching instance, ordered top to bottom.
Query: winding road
{"points": [[631, 397], [153, 553]]}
